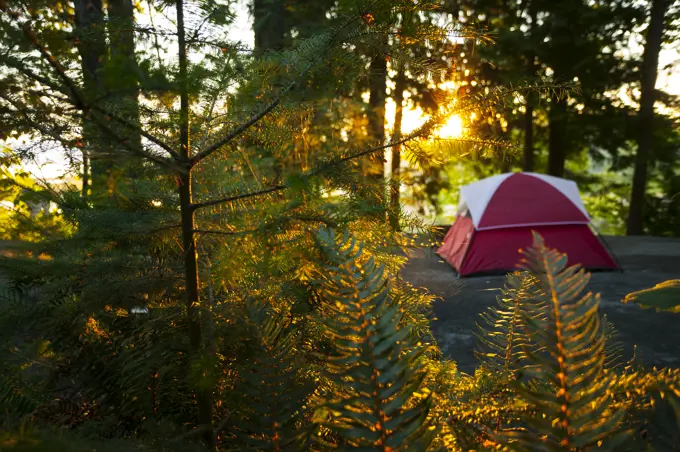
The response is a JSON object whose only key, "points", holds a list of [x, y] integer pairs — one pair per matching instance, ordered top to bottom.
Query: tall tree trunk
{"points": [[268, 24], [269, 28], [91, 45], [122, 57], [399, 86], [377, 97], [645, 129], [558, 139], [528, 164], [374, 165], [85, 175], [204, 396]]}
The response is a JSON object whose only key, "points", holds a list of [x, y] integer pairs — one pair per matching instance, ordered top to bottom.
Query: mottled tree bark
{"points": [[378, 96], [645, 125], [529, 157], [528, 163], [374, 165]]}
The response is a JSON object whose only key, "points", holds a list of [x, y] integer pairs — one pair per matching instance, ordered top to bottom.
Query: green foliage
{"points": [[26, 212], [664, 296], [507, 338], [275, 385], [570, 386], [380, 402]]}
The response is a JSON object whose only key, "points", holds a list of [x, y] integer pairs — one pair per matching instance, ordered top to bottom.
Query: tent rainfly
{"points": [[496, 216]]}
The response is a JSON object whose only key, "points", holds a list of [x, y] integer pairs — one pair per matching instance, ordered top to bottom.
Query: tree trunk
{"points": [[268, 24], [91, 45], [122, 58], [650, 63], [400, 85], [378, 96], [558, 139], [528, 164], [374, 165], [86, 174], [204, 396]]}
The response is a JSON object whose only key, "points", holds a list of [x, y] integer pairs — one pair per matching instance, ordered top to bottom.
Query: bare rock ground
{"points": [[646, 261]]}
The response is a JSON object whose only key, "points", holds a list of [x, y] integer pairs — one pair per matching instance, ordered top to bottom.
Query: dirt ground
{"points": [[646, 261]]}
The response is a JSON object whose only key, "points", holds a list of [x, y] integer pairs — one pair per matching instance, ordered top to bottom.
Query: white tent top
{"points": [[475, 197]]}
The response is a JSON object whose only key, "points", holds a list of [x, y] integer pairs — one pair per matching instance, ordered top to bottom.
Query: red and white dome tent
{"points": [[496, 216]]}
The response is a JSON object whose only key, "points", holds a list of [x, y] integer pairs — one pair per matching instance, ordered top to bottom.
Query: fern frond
{"points": [[505, 339], [613, 348], [275, 394], [570, 394], [651, 399], [381, 403]]}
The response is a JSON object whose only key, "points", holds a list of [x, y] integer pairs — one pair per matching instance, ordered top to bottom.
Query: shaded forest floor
{"points": [[646, 261]]}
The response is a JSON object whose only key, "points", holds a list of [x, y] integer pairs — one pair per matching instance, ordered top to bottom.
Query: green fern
{"points": [[505, 339], [613, 348], [570, 391], [274, 392], [651, 399], [380, 403]]}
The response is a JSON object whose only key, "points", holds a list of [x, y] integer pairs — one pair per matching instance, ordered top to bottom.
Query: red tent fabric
{"points": [[497, 215]]}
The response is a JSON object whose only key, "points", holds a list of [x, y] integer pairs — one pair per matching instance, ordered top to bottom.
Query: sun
{"points": [[415, 118], [452, 128]]}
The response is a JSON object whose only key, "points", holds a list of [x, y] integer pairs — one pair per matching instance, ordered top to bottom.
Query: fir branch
{"points": [[61, 71], [81, 104], [268, 108], [240, 129], [140, 130], [55, 135], [276, 188], [239, 197]]}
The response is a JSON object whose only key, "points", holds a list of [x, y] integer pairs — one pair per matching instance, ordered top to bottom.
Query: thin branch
{"points": [[17, 65], [61, 71], [80, 102], [265, 111], [242, 128], [138, 129], [55, 135], [124, 142], [320, 170], [237, 197], [215, 231]]}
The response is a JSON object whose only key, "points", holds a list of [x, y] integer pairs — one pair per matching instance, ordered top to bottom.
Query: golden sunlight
{"points": [[414, 118], [452, 128]]}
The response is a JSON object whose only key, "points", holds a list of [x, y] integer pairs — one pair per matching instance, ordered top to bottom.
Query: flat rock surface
{"points": [[646, 261]]}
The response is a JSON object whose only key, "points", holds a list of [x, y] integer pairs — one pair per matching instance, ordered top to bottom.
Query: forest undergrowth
{"points": [[356, 368]]}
